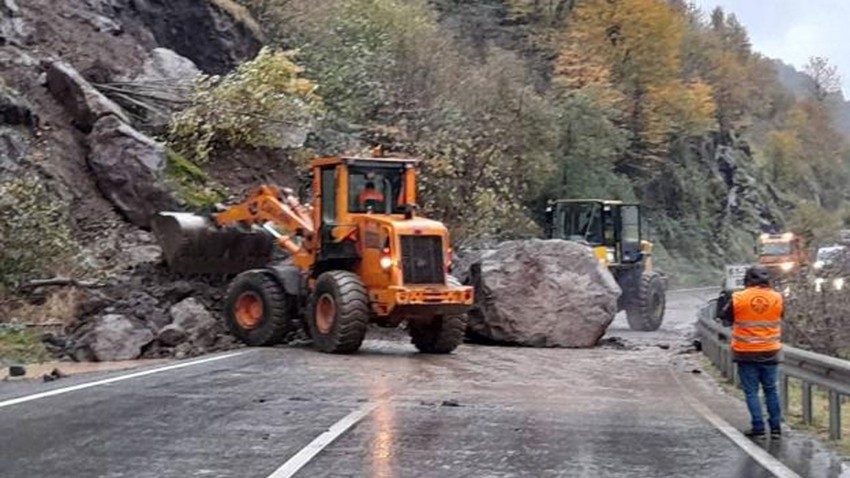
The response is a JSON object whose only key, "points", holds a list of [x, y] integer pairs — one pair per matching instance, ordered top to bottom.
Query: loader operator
{"points": [[370, 197], [755, 314]]}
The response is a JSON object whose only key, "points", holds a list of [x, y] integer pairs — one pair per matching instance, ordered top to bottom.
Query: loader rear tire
{"points": [[257, 309], [646, 312], [339, 313], [440, 335]]}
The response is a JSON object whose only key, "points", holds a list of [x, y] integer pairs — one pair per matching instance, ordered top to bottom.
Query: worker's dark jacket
{"points": [[728, 318]]}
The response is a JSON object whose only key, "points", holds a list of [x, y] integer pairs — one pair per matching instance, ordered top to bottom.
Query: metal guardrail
{"points": [[812, 370]]}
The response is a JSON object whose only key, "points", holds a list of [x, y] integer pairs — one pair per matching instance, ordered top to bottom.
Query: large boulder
{"points": [[172, 77], [84, 102], [129, 169], [540, 293], [114, 337]]}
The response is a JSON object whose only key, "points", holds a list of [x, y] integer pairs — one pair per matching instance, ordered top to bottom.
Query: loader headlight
{"points": [[611, 256], [386, 262], [786, 266], [838, 283], [819, 284]]}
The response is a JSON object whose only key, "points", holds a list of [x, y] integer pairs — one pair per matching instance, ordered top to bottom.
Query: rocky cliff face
{"points": [[215, 34], [59, 128], [710, 203]]}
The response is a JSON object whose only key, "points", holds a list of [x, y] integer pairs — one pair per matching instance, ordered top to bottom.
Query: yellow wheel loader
{"points": [[613, 230], [357, 254]]}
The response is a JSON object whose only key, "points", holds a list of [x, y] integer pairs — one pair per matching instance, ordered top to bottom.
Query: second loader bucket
{"points": [[193, 244]]}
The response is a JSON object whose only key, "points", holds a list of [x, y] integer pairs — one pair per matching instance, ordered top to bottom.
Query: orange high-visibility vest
{"points": [[370, 195], [758, 320]]}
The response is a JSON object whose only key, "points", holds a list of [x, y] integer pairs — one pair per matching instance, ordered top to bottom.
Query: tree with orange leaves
{"points": [[630, 50]]}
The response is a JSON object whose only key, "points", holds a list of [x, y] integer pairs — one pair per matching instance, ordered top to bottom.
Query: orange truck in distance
{"points": [[784, 254]]}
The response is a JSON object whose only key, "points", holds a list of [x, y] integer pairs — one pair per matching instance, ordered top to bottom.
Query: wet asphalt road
{"points": [[482, 412]]}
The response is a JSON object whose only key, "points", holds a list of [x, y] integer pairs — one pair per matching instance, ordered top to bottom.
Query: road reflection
{"points": [[383, 445]]}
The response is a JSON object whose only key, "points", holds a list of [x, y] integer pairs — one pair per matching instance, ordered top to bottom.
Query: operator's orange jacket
{"points": [[370, 195], [758, 320]]}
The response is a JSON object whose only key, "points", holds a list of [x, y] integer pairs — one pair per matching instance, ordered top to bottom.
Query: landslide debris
{"points": [[71, 76]]}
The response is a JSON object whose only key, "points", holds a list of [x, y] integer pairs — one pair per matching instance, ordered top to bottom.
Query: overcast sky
{"points": [[794, 30]]}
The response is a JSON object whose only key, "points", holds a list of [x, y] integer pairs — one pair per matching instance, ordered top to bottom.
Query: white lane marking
{"points": [[697, 289], [82, 386], [300, 459], [765, 459]]}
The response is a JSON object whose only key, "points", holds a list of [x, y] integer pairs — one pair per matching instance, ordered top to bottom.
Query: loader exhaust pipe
{"points": [[193, 244]]}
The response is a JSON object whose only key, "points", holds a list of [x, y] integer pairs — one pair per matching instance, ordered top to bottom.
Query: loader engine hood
{"points": [[419, 248]]}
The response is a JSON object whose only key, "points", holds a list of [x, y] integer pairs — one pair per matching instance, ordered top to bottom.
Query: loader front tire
{"points": [[257, 309], [646, 311], [339, 313], [440, 335]]}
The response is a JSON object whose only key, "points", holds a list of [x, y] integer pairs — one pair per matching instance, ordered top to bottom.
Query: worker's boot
{"points": [[754, 433], [775, 433]]}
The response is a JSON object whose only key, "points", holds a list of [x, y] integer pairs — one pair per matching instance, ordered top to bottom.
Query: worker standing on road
{"points": [[755, 314]]}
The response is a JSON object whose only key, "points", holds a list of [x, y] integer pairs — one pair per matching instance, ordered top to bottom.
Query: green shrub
{"points": [[262, 100], [192, 184], [35, 235], [18, 345]]}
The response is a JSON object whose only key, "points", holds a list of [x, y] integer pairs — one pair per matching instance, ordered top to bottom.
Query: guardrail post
{"points": [[728, 365], [736, 380], [783, 392], [807, 403], [834, 415]]}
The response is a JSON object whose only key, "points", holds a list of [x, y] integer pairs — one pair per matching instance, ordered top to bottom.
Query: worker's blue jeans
{"points": [[753, 374]]}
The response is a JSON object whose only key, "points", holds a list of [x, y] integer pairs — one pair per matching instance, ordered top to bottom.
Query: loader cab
{"points": [[346, 188], [611, 228]]}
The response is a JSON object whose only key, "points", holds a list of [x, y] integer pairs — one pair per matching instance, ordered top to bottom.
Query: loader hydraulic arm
{"points": [[277, 206]]}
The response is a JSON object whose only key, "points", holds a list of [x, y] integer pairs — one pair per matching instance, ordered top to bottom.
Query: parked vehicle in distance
{"points": [[830, 268]]}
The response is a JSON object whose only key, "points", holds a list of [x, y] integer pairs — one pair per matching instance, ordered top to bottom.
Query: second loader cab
{"points": [[612, 229]]}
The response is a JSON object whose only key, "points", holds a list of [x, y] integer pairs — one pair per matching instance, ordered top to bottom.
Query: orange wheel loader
{"points": [[353, 258]]}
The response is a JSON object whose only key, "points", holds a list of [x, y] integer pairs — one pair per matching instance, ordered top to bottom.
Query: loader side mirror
{"points": [[305, 192], [410, 210]]}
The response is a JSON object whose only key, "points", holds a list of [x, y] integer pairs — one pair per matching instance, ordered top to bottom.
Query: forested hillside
{"points": [[516, 102]]}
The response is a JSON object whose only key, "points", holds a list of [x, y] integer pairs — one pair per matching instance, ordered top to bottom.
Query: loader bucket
{"points": [[193, 244]]}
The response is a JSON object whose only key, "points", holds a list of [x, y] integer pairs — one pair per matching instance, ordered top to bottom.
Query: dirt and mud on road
{"points": [[621, 410]]}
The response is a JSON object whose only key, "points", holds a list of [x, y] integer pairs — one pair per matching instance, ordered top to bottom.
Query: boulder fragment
{"points": [[165, 64], [15, 109], [129, 168], [540, 293], [198, 323], [171, 335], [115, 337]]}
